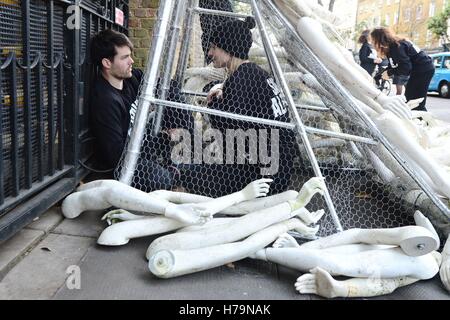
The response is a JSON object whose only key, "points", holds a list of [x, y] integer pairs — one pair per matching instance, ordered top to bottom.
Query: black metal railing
{"points": [[44, 76]]}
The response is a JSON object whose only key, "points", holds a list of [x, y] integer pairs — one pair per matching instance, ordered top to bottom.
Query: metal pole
{"points": [[180, 8], [220, 13], [187, 35], [152, 71], [342, 97], [267, 122], [300, 127]]}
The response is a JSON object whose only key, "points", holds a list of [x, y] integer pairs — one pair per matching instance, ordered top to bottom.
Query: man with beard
{"points": [[113, 104]]}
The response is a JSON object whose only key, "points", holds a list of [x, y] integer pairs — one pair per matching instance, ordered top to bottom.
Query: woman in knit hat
{"points": [[250, 91]]}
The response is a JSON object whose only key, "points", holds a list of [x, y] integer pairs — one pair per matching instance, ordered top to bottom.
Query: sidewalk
{"points": [[36, 263]]}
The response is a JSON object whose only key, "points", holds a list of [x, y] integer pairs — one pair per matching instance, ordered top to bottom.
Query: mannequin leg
{"points": [[414, 240], [172, 263], [382, 263], [321, 283]]}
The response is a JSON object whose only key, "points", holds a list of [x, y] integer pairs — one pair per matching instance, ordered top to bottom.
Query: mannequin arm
{"points": [[255, 189], [321, 283]]}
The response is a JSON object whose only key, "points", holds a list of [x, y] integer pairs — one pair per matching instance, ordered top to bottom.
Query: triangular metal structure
{"points": [[333, 143]]}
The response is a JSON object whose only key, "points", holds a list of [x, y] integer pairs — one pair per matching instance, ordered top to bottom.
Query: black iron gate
{"points": [[44, 65]]}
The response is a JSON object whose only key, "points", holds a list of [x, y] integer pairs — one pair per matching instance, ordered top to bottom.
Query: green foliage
{"points": [[438, 25]]}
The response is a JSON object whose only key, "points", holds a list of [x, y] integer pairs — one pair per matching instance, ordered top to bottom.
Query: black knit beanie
{"points": [[234, 37]]}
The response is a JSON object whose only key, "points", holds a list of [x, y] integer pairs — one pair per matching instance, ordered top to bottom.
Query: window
{"points": [[388, 2], [432, 10], [419, 12], [407, 14], [396, 18], [387, 20], [437, 61], [447, 63]]}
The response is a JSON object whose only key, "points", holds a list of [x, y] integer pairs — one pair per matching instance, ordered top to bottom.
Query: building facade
{"points": [[407, 18]]}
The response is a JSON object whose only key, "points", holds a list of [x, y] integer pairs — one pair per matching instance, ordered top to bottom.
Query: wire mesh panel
{"points": [[219, 119]]}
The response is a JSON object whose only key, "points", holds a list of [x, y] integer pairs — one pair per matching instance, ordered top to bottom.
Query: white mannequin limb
{"points": [[393, 129], [103, 194], [237, 209], [136, 226], [241, 227], [234, 230], [120, 233], [413, 240], [354, 260], [173, 263], [445, 266], [383, 267], [378, 271], [320, 282]]}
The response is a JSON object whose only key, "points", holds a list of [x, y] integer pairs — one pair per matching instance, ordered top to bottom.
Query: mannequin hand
{"points": [[215, 92], [396, 104], [255, 189], [308, 190], [190, 213], [119, 215], [309, 217], [307, 232], [285, 240], [444, 271], [321, 283]]}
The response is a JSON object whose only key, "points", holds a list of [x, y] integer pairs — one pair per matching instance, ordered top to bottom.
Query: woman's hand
{"points": [[216, 92]]}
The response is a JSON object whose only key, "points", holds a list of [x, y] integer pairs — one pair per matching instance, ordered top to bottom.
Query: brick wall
{"points": [[143, 14]]}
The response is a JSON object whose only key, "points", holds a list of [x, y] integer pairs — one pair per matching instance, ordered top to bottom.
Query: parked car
{"points": [[441, 78]]}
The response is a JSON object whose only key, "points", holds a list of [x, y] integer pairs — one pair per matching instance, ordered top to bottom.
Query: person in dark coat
{"points": [[367, 61], [408, 64]]}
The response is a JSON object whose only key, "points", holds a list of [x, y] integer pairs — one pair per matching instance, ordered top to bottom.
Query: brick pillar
{"points": [[143, 14]]}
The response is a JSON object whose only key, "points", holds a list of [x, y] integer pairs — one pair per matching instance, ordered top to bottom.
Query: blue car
{"points": [[441, 78]]}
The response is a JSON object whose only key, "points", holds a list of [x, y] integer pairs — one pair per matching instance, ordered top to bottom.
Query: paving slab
{"points": [[47, 221], [88, 224], [12, 250], [44, 270], [122, 273]]}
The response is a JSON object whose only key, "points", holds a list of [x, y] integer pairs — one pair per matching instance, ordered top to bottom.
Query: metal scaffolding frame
{"points": [[167, 33]]}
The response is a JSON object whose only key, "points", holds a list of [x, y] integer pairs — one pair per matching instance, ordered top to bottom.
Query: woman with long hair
{"points": [[409, 65]]}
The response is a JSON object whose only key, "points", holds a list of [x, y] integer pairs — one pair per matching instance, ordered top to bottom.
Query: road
{"points": [[439, 107]]}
